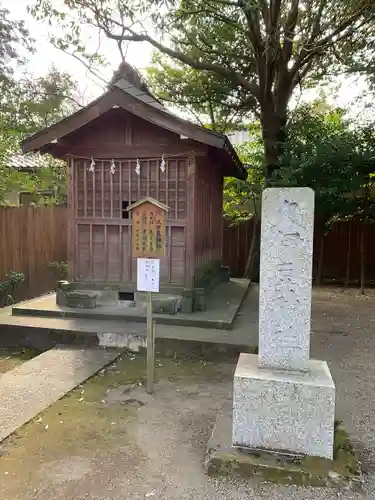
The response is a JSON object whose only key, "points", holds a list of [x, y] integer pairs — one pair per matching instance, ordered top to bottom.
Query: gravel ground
{"points": [[132, 446]]}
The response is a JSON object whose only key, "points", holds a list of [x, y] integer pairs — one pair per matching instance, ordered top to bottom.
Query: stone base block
{"points": [[83, 300], [161, 303], [282, 411], [222, 459]]}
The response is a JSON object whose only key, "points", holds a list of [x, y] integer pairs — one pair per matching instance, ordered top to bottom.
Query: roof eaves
{"points": [[148, 199]]}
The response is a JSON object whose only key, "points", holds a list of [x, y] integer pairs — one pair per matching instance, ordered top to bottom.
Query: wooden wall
{"points": [[208, 222], [102, 228], [100, 233], [30, 238], [336, 256]]}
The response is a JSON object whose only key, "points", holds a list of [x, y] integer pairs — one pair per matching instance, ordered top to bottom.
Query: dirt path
{"points": [[108, 440]]}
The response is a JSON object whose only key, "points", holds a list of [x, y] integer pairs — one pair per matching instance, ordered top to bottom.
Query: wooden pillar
{"points": [[220, 217], [71, 220], [190, 223]]}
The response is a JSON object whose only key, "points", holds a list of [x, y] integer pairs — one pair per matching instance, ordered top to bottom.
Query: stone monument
{"points": [[284, 401]]}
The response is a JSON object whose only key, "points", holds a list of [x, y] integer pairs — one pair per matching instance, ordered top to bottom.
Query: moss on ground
{"points": [[10, 357], [83, 421]]}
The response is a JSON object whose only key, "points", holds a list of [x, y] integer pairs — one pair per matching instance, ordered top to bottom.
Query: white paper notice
{"points": [[148, 275]]}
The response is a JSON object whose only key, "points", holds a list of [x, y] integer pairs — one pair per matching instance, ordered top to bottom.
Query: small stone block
{"points": [[225, 273], [64, 285], [61, 298], [83, 300], [199, 300], [187, 301], [165, 305], [291, 412]]}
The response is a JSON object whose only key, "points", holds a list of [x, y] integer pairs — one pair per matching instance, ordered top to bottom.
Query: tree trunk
{"points": [[273, 120], [270, 135], [270, 159], [362, 255], [348, 256], [320, 262]]}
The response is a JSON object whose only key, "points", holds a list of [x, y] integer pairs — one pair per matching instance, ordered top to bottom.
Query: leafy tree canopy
{"points": [[13, 37], [258, 51], [33, 103], [27, 104], [324, 151]]}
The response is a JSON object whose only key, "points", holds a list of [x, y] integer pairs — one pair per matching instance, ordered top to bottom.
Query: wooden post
{"points": [[71, 220], [190, 224], [148, 245], [362, 255], [348, 256], [320, 262], [150, 346]]}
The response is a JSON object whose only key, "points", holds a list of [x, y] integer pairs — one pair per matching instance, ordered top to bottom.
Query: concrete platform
{"points": [[222, 307], [43, 332], [28, 389]]}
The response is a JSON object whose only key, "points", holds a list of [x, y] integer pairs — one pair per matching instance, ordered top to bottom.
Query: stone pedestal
{"points": [[289, 412]]}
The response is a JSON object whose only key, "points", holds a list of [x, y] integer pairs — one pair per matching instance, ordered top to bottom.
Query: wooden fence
{"points": [[30, 238], [336, 258]]}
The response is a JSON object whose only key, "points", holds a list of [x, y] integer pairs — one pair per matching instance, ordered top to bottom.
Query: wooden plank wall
{"points": [[208, 223], [30, 238], [102, 250], [341, 250]]}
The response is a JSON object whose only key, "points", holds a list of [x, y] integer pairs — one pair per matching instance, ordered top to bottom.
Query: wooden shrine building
{"points": [[125, 146]]}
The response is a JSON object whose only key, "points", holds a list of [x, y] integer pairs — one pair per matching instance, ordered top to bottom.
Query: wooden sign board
{"points": [[148, 228]]}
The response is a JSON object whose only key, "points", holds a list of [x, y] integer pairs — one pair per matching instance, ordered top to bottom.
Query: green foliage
{"points": [[13, 37], [210, 100], [34, 103], [28, 104], [322, 150], [325, 152], [52, 176], [242, 198], [60, 269], [8, 286]]}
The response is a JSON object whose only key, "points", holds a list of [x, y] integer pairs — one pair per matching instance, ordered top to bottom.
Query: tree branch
{"points": [[225, 2], [275, 6], [290, 26], [316, 28], [307, 52], [196, 64], [87, 66], [57, 94]]}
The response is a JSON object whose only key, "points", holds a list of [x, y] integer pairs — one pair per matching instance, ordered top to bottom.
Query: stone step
{"points": [[222, 308]]}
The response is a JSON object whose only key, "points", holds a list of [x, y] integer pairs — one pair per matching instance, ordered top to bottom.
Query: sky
{"points": [[46, 55], [139, 55]]}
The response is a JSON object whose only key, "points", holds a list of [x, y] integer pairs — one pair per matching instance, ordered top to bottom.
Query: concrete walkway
{"points": [[30, 388]]}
